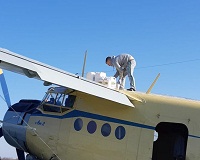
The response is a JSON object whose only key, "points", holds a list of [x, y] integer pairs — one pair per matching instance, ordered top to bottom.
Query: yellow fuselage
{"points": [[93, 140]]}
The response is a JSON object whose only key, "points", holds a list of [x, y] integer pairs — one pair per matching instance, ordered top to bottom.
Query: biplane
{"points": [[80, 119]]}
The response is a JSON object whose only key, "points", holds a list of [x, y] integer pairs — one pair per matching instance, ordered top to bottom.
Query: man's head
{"points": [[108, 61]]}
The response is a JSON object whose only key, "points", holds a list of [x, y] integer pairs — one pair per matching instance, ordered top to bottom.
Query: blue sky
{"points": [[158, 33]]}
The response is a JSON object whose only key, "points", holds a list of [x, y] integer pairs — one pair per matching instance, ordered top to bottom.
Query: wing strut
{"points": [[83, 70], [152, 85]]}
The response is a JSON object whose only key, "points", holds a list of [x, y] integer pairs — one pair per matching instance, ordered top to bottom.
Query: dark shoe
{"points": [[131, 89]]}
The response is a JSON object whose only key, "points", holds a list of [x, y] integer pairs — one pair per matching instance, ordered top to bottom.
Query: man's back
{"points": [[122, 60]]}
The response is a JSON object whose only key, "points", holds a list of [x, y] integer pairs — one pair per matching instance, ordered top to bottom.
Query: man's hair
{"points": [[107, 58]]}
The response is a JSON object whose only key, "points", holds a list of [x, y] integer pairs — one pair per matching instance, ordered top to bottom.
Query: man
{"points": [[124, 65]]}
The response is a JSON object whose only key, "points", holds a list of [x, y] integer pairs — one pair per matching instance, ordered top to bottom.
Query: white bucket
{"points": [[91, 76], [99, 76], [110, 82]]}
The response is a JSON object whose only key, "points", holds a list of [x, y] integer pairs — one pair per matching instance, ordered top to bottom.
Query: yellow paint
{"points": [[1, 71]]}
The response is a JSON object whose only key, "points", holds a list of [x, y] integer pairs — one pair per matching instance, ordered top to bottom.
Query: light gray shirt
{"points": [[120, 62]]}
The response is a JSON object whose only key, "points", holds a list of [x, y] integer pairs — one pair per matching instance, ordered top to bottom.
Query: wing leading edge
{"points": [[34, 69]]}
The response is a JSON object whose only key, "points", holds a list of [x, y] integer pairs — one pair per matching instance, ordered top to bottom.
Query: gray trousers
{"points": [[128, 71]]}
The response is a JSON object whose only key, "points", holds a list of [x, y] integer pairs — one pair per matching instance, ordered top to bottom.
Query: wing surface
{"points": [[34, 69]]}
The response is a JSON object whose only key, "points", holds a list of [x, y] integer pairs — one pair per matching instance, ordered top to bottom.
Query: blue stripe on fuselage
{"points": [[77, 113]]}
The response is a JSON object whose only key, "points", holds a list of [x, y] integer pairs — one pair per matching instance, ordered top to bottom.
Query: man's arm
{"points": [[118, 68], [116, 74]]}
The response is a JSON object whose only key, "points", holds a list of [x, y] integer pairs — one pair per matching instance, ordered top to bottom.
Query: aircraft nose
{"points": [[15, 123], [13, 130]]}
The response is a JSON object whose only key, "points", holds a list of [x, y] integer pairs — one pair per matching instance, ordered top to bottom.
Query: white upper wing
{"points": [[34, 69]]}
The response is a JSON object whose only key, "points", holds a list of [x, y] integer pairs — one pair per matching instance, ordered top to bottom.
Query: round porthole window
{"points": [[78, 124], [91, 127], [106, 130], [120, 132]]}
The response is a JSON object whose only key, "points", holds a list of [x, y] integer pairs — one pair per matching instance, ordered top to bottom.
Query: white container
{"points": [[91, 76], [100, 76], [110, 82]]}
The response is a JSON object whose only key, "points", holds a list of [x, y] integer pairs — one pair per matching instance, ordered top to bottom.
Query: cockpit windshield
{"points": [[58, 99]]}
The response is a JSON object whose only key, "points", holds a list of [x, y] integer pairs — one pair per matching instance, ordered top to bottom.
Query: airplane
{"points": [[80, 119]]}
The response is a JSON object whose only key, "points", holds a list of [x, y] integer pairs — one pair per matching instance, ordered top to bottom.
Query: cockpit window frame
{"points": [[57, 93]]}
